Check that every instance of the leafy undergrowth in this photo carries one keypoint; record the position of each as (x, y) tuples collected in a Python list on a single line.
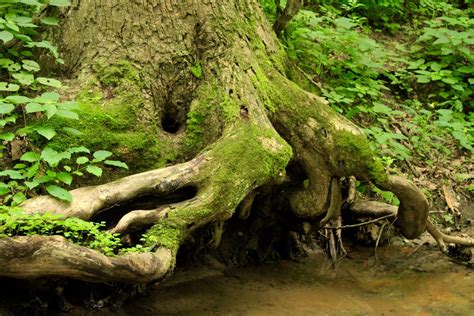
[(15, 222), (404, 71)]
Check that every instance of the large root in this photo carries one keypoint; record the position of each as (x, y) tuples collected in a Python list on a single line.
[(40, 256), (88, 201), (412, 214)]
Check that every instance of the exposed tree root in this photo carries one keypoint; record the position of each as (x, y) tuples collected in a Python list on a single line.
[(39, 256), (378, 209), (89, 201), (138, 218), (335, 203), (413, 210)]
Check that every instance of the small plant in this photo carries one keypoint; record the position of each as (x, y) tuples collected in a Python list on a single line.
[(196, 70), (14, 222)]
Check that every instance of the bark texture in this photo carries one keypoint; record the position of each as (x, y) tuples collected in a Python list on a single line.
[(210, 77)]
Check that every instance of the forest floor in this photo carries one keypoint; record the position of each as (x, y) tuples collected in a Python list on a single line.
[(404, 278)]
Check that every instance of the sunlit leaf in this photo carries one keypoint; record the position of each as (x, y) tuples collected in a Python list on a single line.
[(59, 193)]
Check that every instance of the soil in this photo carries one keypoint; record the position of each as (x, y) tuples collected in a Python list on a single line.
[(401, 280)]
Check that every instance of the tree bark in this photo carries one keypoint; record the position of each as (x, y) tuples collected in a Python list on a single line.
[(215, 60)]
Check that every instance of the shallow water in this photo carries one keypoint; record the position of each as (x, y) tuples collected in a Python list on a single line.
[(422, 284)]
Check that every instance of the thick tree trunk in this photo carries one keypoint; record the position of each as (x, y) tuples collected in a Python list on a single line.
[(209, 76)]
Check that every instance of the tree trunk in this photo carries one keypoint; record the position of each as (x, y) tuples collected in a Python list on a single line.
[(206, 80)]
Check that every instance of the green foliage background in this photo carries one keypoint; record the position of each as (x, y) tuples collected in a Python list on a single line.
[(385, 62)]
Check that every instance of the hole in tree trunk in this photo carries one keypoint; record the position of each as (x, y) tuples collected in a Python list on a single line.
[(170, 124)]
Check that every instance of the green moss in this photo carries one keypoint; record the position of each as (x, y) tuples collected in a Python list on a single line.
[(188, 216), (354, 156), (261, 82), (211, 110), (254, 155), (165, 234), (194, 129), (117, 74)]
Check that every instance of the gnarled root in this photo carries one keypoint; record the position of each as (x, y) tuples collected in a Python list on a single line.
[(412, 213)]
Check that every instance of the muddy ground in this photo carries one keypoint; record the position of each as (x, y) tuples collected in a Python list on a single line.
[(424, 283), (401, 280)]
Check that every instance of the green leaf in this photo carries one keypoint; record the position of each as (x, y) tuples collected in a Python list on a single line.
[(4, 189), (44, 44), (49, 82), (116, 163), (422, 79), (45, 179), (59, 193), (82, 160), (6, 108), (30, 157), (31, 65), (381, 108), (11, 87), (6, 36), (64, 177), (52, 157), (68, 105), (5, 62), (30, 2), (96, 171), (25, 78), (35, 107), (75, 150), (51, 110), (442, 39), (50, 21), (13, 174), (67, 114), (450, 80), (14, 67), (19, 198), (48, 97), (46, 132), (72, 131), (32, 184), (7, 136), (60, 3), (32, 171), (17, 99), (101, 155)]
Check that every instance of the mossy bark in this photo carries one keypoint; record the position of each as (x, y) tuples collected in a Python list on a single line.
[(205, 81)]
